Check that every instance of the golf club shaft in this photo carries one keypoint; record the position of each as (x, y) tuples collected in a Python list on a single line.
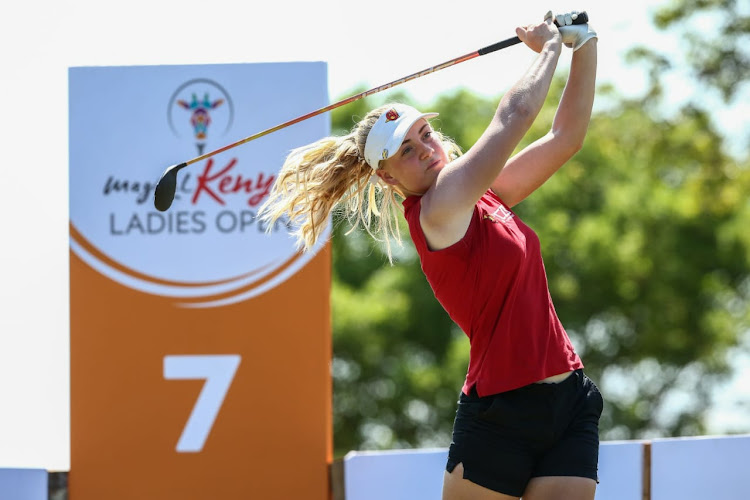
[(486, 50), (165, 188)]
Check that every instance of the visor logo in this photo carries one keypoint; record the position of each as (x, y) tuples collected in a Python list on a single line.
[(391, 115)]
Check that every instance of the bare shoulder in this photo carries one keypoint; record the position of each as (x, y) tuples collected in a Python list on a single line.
[(442, 230)]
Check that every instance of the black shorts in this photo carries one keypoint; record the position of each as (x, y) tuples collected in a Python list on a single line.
[(506, 439)]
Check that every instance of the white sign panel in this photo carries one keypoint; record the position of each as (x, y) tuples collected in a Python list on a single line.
[(128, 124)]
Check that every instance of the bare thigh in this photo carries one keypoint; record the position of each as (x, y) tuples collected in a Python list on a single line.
[(455, 487), (555, 487)]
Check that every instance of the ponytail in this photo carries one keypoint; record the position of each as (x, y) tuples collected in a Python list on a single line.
[(332, 174)]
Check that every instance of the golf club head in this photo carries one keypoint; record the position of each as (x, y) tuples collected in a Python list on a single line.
[(166, 188)]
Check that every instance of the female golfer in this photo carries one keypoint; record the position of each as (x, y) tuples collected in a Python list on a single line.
[(527, 419)]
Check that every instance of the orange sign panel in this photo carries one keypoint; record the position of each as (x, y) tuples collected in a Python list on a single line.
[(200, 344)]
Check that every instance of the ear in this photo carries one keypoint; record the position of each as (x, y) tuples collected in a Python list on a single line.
[(386, 177)]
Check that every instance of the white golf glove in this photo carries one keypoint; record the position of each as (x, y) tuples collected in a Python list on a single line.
[(574, 35)]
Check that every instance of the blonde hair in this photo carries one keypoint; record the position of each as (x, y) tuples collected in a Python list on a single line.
[(330, 173)]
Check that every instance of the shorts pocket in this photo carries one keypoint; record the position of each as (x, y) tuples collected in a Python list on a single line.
[(594, 398)]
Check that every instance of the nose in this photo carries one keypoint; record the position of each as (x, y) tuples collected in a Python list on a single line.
[(426, 151)]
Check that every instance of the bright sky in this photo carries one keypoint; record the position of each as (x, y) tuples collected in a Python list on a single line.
[(363, 42)]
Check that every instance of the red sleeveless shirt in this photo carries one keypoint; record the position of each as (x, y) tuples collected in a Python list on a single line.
[(493, 285)]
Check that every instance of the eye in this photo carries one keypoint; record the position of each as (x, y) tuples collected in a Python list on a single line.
[(406, 150)]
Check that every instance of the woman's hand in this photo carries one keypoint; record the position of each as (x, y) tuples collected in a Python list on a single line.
[(573, 35), (536, 36)]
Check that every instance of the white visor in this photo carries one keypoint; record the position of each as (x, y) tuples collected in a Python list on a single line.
[(389, 131)]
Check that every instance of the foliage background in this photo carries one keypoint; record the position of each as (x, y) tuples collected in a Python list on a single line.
[(646, 238)]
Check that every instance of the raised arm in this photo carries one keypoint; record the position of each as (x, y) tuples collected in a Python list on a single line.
[(448, 205), (536, 163)]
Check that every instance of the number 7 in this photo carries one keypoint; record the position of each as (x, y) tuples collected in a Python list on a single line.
[(218, 370)]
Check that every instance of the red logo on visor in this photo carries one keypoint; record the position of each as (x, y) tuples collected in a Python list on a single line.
[(391, 115)]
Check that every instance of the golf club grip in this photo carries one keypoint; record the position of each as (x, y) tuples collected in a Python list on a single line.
[(582, 18)]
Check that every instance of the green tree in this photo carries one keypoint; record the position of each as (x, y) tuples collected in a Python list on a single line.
[(717, 50)]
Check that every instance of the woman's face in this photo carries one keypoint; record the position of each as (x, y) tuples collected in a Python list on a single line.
[(414, 167)]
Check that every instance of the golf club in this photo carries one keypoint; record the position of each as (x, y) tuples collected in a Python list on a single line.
[(167, 185)]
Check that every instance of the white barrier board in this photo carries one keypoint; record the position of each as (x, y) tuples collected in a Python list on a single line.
[(620, 471), (700, 468), (418, 474), (395, 475), (23, 484)]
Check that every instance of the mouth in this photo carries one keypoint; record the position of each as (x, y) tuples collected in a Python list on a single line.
[(434, 164)]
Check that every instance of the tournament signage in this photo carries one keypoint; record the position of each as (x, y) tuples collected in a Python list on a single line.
[(200, 340)]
